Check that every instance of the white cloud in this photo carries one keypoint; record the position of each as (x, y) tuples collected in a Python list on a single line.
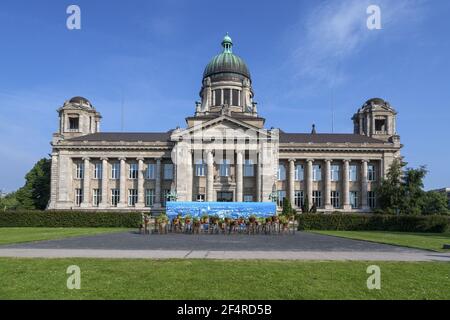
[(334, 31)]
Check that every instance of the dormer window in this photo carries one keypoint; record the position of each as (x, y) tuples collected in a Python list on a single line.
[(74, 123)]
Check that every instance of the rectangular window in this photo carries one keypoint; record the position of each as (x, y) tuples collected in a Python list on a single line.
[(248, 168), (227, 96), (115, 197), (98, 169), (133, 171), (149, 197), (317, 198), (168, 171), (299, 198), (371, 200), (335, 199), (371, 173), (299, 172), (248, 198), (317, 172), (74, 123), (115, 170), (224, 168), (218, 97), (150, 172), (132, 197), (334, 174), (78, 197), (281, 172), (353, 173), (354, 199), (236, 98), (281, 196), (96, 197), (200, 168), (79, 170), (201, 198)]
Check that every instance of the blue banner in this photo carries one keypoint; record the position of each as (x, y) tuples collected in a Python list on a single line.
[(222, 210)]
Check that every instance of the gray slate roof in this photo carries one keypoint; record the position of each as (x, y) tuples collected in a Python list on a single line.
[(284, 137), (126, 136), (325, 138)]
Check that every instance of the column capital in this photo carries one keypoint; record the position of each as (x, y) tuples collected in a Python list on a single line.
[(122, 158), (86, 159), (328, 160), (310, 160), (346, 160), (140, 158), (292, 159), (104, 159), (365, 160)]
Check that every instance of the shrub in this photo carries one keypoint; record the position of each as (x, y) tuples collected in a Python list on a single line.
[(366, 222), (70, 219)]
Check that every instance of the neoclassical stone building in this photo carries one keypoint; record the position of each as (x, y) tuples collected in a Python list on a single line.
[(223, 154)]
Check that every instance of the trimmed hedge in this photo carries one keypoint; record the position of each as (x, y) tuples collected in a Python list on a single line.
[(369, 222), (70, 219)]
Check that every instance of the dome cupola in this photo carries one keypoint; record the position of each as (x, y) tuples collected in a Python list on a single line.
[(226, 62), (226, 86)]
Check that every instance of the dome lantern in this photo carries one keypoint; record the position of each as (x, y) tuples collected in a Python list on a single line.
[(227, 44)]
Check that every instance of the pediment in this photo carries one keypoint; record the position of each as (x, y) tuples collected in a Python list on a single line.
[(222, 126)]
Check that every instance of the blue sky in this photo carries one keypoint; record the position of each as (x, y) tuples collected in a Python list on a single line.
[(306, 57)]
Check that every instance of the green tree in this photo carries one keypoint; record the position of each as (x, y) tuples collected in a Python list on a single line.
[(9, 202), (414, 196), (402, 192), (287, 208), (36, 191), (435, 203), (305, 206), (390, 192)]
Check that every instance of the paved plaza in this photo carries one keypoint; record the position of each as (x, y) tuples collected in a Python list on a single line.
[(298, 246)]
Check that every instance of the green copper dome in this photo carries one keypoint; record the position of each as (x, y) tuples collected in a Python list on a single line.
[(226, 62)]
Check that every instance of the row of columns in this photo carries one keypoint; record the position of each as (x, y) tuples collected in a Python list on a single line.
[(327, 183), (122, 183), (239, 176)]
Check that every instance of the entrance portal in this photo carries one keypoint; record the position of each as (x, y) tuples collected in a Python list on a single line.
[(224, 196)]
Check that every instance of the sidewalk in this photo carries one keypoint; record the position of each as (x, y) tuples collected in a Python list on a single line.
[(226, 255)]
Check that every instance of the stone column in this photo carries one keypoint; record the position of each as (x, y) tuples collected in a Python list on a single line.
[(123, 182), (86, 184), (327, 189), (210, 176), (258, 178), (292, 182), (157, 203), (54, 181), (309, 180), (140, 203), (364, 185), (190, 183), (105, 179), (239, 176), (346, 186)]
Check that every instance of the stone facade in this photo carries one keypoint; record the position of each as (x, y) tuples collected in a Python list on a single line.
[(223, 154)]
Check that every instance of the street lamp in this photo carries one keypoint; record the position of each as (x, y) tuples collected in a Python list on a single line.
[(172, 195), (274, 195)]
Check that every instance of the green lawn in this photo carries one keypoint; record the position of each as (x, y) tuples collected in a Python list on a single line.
[(429, 241), (18, 235), (213, 279)]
